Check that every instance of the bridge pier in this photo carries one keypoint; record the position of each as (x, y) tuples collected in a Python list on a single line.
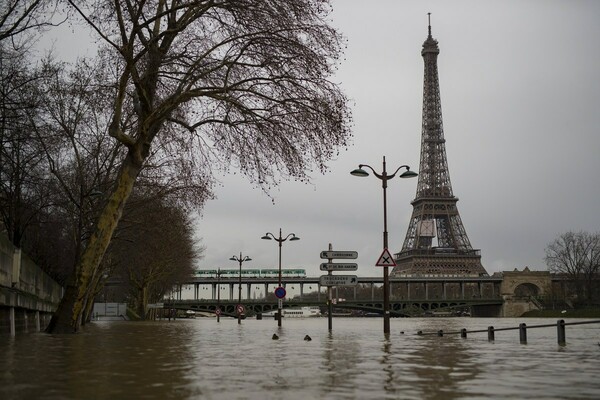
[(372, 291)]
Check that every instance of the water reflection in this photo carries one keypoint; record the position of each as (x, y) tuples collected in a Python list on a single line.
[(341, 355), (442, 366), (388, 367), (209, 360)]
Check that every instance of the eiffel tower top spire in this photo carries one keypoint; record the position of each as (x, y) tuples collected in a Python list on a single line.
[(436, 241), (434, 178), (430, 45)]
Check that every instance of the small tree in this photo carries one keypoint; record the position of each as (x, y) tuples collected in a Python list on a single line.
[(152, 251), (577, 254)]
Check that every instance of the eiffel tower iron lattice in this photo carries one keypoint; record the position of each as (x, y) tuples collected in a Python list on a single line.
[(435, 215)]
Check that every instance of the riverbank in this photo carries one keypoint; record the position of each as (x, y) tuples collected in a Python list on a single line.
[(577, 313)]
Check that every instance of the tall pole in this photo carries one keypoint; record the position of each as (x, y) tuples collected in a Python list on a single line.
[(239, 307), (386, 279), (280, 240), (384, 177), (219, 295), (279, 301), (329, 299), (240, 290)]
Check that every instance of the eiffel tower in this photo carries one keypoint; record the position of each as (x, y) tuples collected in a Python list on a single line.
[(435, 217)]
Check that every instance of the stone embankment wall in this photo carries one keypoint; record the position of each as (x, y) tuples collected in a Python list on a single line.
[(28, 295)]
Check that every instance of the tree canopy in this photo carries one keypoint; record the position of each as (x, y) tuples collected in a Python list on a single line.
[(577, 254), (203, 85)]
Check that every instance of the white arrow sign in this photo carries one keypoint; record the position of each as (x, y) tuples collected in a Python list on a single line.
[(339, 254), (338, 280), (339, 267)]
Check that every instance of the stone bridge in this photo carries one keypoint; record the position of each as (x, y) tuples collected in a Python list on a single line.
[(506, 294)]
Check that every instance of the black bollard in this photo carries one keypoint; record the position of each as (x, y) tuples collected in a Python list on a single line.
[(523, 333), (463, 333), (491, 336), (440, 333), (560, 328)]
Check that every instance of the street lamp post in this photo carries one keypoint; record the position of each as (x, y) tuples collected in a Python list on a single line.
[(240, 259), (384, 177), (280, 240), (218, 295)]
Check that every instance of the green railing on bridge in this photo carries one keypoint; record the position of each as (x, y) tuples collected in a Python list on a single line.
[(398, 308)]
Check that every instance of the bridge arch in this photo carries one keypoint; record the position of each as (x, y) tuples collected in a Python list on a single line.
[(525, 283), (527, 289)]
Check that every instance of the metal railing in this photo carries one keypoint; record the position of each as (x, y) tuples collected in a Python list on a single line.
[(560, 331)]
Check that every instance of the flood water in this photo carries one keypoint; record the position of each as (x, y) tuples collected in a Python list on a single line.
[(203, 359)]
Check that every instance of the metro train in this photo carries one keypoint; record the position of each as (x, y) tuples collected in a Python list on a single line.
[(252, 273)]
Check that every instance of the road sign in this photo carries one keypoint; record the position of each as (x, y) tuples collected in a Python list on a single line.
[(240, 308), (338, 280), (339, 267), (339, 254), (218, 311), (385, 259), (280, 292)]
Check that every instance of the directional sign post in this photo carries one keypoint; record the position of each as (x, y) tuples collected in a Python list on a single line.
[(338, 280), (339, 267), (339, 254), (330, 280)]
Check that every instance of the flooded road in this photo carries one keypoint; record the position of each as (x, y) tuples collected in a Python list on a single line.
[(203, 359)]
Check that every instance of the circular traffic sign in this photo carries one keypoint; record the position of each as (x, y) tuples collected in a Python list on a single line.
[(240, 308), (280, 292), (218, 311)]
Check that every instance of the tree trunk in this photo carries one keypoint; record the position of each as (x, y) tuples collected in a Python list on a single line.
[(142, 301), (67, 318)]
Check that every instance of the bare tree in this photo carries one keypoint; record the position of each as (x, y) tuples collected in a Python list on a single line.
[(153, 250), (22, 19), (213, 83), (577, 254), (23, 193)]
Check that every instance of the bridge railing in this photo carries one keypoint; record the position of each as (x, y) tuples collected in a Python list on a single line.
[(522, 328)]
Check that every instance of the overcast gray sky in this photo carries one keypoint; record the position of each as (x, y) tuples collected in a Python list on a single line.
[(521, 107)]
